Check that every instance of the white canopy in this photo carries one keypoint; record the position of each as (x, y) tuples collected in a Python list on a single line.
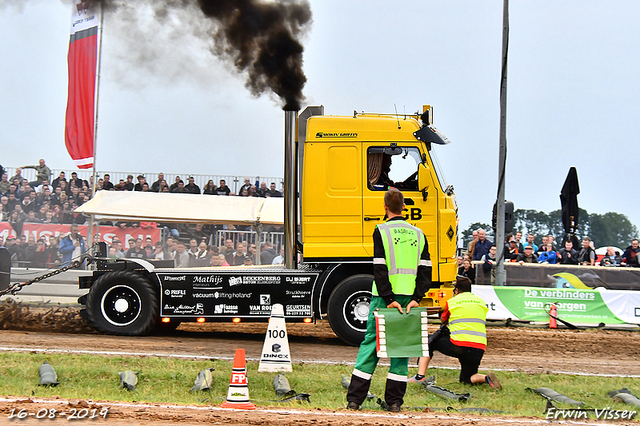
[(183, 208)]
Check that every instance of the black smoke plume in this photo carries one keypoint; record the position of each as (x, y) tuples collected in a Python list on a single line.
[(260, 37)]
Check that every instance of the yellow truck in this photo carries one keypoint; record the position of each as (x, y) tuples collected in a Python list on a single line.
[(340, 168)]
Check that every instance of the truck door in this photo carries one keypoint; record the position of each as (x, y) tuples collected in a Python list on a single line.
[(398, 165)]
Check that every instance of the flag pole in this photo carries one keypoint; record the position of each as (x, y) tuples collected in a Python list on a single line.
[(95, 118)]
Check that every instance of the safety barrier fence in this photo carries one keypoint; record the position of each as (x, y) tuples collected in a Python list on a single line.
[(252, 237), (234, 182)]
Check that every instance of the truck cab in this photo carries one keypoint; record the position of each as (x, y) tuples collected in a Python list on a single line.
[(348, 163)]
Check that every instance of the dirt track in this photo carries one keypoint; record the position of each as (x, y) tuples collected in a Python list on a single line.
[(530, 350), (132, 414)]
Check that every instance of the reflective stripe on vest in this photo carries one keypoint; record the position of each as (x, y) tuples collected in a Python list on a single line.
[(469, 332), (402, 255), (476, 320), (468, 318)]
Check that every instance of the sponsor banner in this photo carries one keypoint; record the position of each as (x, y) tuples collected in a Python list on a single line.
[(107, 233), (584, 306), (566, 276), (231, 293)]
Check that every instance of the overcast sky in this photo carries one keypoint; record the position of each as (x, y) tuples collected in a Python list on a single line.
[(573, 93)]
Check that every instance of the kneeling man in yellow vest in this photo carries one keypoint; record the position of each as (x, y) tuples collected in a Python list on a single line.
[(464, 337)]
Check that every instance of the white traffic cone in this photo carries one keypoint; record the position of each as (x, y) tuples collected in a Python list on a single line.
[(275, 352)]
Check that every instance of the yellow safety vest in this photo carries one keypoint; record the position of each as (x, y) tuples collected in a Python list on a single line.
[(468, 318), (403, 245)]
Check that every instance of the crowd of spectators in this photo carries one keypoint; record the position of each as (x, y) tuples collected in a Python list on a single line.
[(482, 251), (197, 253), (248, 189), (55, 251), (52, 201), (42, 200)]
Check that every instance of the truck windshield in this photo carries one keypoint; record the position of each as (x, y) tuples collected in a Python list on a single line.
[(438, 169)]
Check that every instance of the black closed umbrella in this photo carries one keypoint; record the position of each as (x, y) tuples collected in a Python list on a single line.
[(570, 211)]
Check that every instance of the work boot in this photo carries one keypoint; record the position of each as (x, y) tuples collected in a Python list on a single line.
[(352, 406), (493, 381), (395, 408)]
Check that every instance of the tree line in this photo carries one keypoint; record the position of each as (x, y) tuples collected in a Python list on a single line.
[(609, 229)]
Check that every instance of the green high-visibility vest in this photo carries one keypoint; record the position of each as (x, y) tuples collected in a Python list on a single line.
[(468, 318), (403, 245)]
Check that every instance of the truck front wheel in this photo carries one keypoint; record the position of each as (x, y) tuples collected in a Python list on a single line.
[(122, 303), (348, 308)]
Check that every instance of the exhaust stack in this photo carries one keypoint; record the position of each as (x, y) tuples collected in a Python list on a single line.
[(290, 200)]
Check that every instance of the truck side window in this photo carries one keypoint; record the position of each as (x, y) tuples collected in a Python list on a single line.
[(399, 171)]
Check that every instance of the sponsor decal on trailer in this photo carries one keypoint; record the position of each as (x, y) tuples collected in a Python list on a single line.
[(230, 294)]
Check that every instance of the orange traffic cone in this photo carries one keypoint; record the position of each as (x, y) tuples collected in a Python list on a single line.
[(553, 314), (238, 395)]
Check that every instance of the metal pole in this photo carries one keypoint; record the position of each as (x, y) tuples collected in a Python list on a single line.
[(289, 190), (501, 276), (95, 119)]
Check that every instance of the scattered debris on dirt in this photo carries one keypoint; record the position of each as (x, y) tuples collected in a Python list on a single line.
[(18, 316)]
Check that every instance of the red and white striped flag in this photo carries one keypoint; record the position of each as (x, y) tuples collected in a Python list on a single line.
[(82, 59)]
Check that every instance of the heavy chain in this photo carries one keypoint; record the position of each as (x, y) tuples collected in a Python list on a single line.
[(16, 287)]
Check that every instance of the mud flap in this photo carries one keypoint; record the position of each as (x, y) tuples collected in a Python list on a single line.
[(625, 396), (282, 388), (298, 397), (446, 393), (552, 396), (477, 410)]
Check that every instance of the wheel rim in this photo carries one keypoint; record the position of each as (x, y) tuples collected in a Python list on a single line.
[(121, 305), (356, 310)]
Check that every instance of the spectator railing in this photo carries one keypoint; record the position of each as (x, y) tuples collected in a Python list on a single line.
[(233, 182), (276, 238)]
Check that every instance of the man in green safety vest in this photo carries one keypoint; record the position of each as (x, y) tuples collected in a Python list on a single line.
[(465, 336), (402, 275)]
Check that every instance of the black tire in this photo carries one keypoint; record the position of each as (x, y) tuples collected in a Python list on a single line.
[(348, 308), (122, 303)]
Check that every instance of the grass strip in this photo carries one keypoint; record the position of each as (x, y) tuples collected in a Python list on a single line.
[(168, 380)]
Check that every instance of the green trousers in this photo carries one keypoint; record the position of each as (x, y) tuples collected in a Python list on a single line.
[(367, 362)]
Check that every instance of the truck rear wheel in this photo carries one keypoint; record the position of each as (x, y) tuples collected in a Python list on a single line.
[(122, 303), (348, 308)]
